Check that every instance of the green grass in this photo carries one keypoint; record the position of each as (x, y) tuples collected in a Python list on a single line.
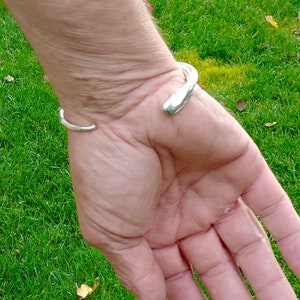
[(239, 56)]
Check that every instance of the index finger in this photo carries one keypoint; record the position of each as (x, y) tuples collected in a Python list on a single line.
[(268, 200)]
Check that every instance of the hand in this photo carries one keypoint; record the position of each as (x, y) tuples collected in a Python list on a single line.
[(161, 196), (158, 194)]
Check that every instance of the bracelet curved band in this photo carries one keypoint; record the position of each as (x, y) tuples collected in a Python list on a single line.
[(181, 97), (171, 106), (73, 127)]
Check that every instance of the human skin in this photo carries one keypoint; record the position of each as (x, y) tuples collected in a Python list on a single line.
[(158, 194)]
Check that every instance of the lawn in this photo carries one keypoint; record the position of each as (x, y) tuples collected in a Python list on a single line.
[(240, 57)]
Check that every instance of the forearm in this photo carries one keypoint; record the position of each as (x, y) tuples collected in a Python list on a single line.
[(95, 53)]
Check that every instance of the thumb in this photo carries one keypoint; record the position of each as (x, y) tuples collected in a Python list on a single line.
[(138, 270)]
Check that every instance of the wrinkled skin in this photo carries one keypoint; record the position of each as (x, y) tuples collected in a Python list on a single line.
[(159, 193), (161, 196)]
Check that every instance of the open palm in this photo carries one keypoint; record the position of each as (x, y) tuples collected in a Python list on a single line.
[(161, 196), (164, 196)]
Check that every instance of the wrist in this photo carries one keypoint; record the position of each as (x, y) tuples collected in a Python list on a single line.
[(121, 100), (98, 56)]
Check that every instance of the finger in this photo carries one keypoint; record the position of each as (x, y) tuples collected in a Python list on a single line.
[(137, 269), (180, 281), (215, 266), (267, 199), (253, 254)]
